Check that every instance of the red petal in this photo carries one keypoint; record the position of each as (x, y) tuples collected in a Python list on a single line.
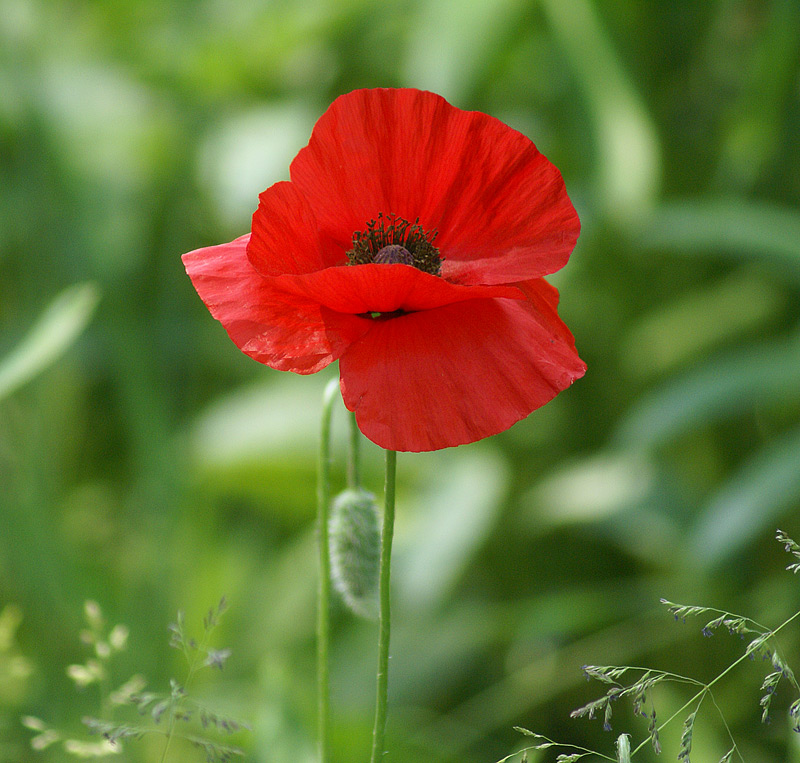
[(499, 205), (459, 373), (284, 235), (360, 289), (273, 326)]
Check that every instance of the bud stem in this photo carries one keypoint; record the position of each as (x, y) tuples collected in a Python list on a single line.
[(324, 590), (387, 534), (354, 459)]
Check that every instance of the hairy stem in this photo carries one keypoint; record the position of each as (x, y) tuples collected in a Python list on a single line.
[(354, 455), (324, 589), (379, 729)]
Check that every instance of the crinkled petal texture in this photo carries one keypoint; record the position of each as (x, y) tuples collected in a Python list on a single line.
[(459, 373), (275, 327), (426, 362), (500, 206)]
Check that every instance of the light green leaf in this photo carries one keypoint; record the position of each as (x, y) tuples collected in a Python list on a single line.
[(453, 40), (278, 417), (629, 153), (56, 329), (237, 163), (449, 521), (260, 442), (751, 130), (690, 326), (591, 490), (750, 503), (731, 227), (720, 388)]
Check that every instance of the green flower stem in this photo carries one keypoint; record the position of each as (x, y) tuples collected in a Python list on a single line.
[(378, 731), (324, 590), (354, 459)]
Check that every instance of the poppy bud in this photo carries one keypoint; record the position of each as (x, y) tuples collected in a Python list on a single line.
[(623, 749), (354, 533)]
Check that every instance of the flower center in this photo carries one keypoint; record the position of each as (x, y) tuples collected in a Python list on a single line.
[(391, 240), (394, 254)]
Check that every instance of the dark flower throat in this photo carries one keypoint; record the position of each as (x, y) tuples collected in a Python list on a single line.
[(392, 240)]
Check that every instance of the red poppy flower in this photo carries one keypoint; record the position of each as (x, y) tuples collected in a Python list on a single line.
[(410, 245)]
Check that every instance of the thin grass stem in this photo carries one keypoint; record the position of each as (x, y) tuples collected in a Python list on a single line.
[(706, 688)]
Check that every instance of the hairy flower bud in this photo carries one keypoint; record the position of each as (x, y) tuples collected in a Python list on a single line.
[(354, 530), (623, 748)]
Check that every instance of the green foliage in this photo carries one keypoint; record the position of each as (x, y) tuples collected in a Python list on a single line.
[(175, 708), (764, 645), (145, 463), (57, 328)]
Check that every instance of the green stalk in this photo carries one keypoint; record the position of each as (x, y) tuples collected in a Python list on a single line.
[(324, 589), (379, 729), (354, 455)]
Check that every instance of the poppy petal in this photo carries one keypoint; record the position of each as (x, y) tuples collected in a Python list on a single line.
[(275, 327), (284, 234), (499, 205), (375, 288), (458, 373)]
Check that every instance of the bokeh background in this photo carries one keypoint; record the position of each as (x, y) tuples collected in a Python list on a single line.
[(146, 464)]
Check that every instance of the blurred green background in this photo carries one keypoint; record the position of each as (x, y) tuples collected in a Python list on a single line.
[(145, 463)]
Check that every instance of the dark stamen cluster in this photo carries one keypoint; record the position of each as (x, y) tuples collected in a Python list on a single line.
[(395, 231)]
